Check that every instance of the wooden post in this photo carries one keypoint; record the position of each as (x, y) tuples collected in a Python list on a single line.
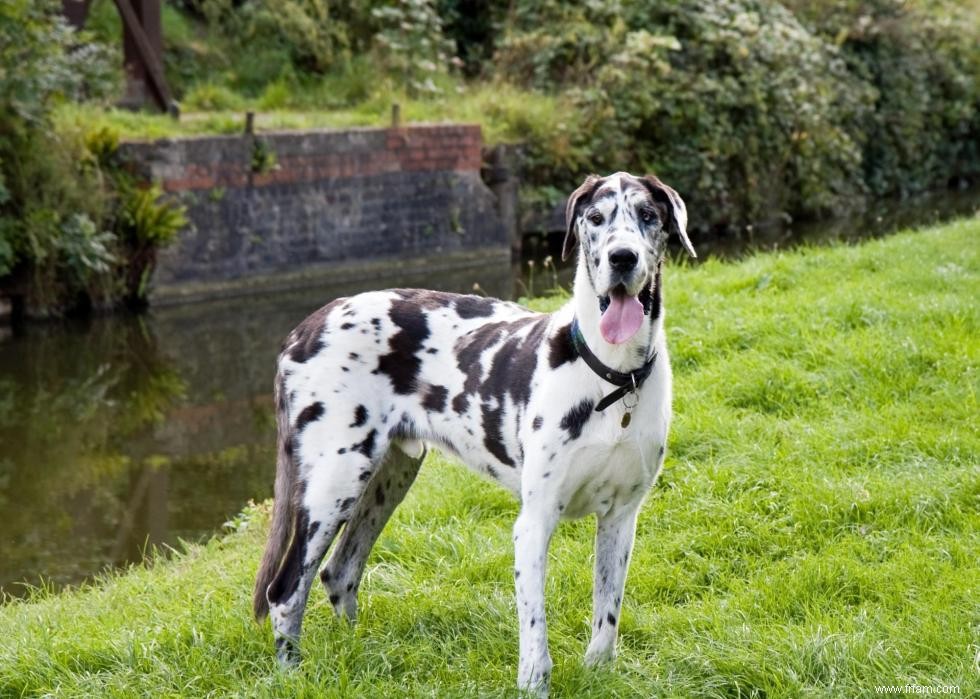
[(142, 51), (502, 174), (76, 11)]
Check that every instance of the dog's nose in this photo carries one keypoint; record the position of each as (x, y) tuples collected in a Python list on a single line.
[(623, 259)]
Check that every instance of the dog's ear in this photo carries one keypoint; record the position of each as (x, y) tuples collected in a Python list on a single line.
[(675, 205), (578, 198)]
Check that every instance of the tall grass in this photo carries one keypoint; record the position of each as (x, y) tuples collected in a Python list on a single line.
[(815, 533)]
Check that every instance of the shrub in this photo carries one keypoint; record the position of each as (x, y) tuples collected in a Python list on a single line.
[(734, 101), (752, 111), (922, 65), (411, 45), (63, 242), (52, 245)]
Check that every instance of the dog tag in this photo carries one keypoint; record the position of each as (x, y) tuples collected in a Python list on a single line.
[(629, 402)]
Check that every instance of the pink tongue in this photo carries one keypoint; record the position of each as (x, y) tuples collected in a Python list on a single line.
[(622, 319)]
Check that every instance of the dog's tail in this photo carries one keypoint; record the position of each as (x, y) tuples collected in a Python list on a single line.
[(283, 509)]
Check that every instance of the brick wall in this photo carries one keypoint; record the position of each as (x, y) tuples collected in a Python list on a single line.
[(363, 204)]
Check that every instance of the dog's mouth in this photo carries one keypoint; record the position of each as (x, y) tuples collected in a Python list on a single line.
[(622, 315)]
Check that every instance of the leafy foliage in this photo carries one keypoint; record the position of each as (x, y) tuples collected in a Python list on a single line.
[(749, 110), (50, 201), (411, 44), (755, 109), (71, 228)]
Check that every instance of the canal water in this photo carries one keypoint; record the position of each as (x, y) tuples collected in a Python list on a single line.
[(125, 433)]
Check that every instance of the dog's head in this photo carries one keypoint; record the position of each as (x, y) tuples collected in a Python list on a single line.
[(622, 224)]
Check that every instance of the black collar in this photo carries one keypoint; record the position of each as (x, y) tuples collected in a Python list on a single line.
[(627, 382)]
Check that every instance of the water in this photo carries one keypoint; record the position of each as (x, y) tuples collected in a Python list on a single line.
[(122, 433)]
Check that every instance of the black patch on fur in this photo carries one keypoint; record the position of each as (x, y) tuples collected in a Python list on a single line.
[(310, 413), (511, 371), (346, 326), (470, 347), (435, 399), (402, 364), (575, 419), (651, 299), (379, 496), (536, 424), (561, 348), (460, 403), (432, 350), (493, 439), (610, 618), (360, 416), (306, 340), (366, 447), (474, 307), (287, 579), (429, 300)]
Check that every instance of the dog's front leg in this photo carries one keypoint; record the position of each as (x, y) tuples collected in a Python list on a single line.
[(532, 534), (614, 543)]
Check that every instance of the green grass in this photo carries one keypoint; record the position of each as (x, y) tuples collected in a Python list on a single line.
[(816, 531), (506, 114)]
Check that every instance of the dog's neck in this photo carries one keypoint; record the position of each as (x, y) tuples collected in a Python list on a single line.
[(630, 354)]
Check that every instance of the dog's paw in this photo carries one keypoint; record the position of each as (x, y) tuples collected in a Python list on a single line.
[(287, 652), (534, 679), (600, 653), (342, 594)]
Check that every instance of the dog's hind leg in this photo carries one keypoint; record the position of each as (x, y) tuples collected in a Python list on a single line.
[(326, 499), (385, 490)]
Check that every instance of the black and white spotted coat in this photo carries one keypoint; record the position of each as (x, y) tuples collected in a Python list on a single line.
[(365, 382)]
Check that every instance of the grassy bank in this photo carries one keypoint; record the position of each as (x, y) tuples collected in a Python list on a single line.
[(815, 532)]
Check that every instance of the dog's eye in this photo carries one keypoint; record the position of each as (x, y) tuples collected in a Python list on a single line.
[(596, 218), (647, 216)]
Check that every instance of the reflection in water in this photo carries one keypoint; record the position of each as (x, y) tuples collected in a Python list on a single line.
[(123, 432)]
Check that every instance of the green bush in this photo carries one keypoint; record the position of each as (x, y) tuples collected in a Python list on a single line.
[(52, 244), (922, 64), (752, 111), (71, 229)]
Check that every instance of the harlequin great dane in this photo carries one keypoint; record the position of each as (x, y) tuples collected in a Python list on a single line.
[(569, 411)]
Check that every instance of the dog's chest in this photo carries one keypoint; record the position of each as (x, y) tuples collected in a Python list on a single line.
[(612, 467)]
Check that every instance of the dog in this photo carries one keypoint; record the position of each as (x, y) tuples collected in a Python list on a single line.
[(569, 411)]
